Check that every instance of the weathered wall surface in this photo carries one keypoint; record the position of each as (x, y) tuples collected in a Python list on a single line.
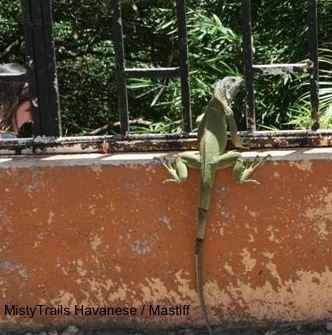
[(100, 231)]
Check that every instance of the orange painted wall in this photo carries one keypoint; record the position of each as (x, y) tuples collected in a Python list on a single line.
[(102, 231)]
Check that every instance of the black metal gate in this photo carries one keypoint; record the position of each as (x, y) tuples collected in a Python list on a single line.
[(181, 71), (37, 24), (272, 69), (42, 78)]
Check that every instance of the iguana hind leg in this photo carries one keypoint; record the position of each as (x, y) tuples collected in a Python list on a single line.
[(242, 170)]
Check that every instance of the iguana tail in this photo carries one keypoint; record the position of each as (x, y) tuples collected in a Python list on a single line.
[(199, 281)]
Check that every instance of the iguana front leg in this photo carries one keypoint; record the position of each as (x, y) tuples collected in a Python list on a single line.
[(179, 169)]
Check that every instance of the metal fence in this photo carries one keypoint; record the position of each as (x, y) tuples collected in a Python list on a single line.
[(124, 73), (41, 68), (42, 78), (250, 69)]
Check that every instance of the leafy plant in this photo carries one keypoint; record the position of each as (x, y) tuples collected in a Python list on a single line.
[(86, 62), (301, 110)]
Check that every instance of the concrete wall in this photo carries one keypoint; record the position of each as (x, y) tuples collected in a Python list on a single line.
[(86, 231)]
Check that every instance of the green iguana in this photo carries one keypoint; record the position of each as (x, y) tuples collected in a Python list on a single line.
[(212, 155)]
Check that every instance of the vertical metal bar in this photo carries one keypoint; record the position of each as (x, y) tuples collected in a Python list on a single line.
[(248, 65), (184, 65), (120, 66), (29, 49), (37, 21), (313, 56), (51, 125)]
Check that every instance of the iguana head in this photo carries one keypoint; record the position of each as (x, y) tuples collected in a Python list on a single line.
[(227, 87)]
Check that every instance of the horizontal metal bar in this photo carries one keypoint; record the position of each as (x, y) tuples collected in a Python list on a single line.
[(14, 77), (273, 69), (152, 72), (141, 143)]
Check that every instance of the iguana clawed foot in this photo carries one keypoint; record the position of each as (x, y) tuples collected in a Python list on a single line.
[(259, 161), (243, 170), (172, 171)]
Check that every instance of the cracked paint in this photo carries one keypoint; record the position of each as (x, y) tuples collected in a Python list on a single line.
[(95, 241), (272, 234), (229, 269), (140, 247), (155, 290), (50, 217), (305, 166), (7, 267), (108, 233), (320, 215), (166, 221), (247, 261), (298, 299)]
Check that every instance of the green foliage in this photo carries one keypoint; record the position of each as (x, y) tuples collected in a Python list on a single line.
[(163, 97), (11, 38), (166, 126), (301, 111), (86, 64), (85, 57)]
